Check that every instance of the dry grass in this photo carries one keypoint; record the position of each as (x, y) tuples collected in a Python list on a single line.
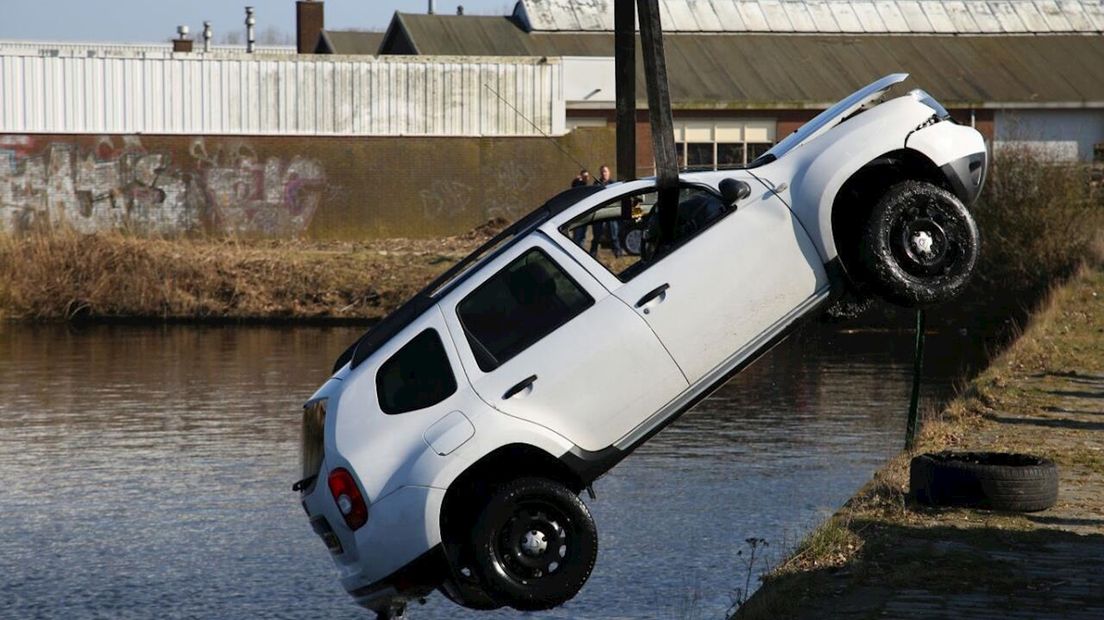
[(65, 275)]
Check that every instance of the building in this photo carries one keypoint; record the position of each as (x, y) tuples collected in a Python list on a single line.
[(743, 73), (447, 121)]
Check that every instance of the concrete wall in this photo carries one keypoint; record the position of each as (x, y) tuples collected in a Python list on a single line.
[(278, 186), (1063, 135)]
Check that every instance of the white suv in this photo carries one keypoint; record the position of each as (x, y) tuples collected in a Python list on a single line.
[(449, 448)]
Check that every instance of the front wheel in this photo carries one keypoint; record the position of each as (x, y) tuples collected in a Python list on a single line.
[(920, 245), (535, 544)]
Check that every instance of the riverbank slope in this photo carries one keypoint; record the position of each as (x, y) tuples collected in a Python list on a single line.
[(113, 276), (881, 556)]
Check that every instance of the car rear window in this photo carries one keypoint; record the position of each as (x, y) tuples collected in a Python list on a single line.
[(416, 376), (519, 305)]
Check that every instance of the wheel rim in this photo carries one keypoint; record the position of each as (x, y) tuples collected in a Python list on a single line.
[(923, 240), (534, 543)]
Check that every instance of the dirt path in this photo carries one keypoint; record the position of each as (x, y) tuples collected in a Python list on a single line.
[(882, 557)]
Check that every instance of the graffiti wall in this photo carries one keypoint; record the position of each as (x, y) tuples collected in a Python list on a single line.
[(275, 186), (119, 182)]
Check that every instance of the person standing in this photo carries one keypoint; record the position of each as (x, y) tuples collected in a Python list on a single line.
[(581, 179), (611, 227)]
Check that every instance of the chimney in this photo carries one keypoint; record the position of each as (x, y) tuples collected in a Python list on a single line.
[(250, 21), (207, 34), (432, 7), (309, 22), (182, 43)]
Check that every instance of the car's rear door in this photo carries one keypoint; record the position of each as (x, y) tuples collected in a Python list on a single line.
[(542, 340)]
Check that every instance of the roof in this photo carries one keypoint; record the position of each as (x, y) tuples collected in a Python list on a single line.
[(830, 16), (349, 42), (784, 71)]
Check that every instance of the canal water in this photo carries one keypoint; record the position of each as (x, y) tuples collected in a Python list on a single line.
[(145, 472)]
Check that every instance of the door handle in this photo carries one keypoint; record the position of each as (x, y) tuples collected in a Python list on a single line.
[(526, 382), (652, 294)]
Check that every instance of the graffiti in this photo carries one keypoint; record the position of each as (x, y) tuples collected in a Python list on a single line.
[(127, 187), (512, 194), (247, 194), (445, 199)]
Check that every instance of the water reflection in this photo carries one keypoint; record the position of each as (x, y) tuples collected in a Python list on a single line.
[(146, 472)]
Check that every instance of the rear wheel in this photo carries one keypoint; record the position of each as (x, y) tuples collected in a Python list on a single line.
[(920, 245), (535, 544)]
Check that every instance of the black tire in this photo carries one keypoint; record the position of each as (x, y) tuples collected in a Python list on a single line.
[(543, 574), (920, 245), (989, 480)]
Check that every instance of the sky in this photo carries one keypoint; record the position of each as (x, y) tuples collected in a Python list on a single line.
[(137, 21)]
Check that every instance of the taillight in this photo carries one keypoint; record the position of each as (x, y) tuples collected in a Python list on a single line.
[(347, 496)]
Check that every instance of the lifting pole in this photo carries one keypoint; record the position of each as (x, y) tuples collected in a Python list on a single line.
[(659, 112), (624, 46)]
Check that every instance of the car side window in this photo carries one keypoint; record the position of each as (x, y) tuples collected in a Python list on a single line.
[(417, 376), (519, 305), (623, 234)]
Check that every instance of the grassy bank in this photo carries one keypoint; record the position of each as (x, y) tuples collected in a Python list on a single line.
[(65, 276), (1039, 396)]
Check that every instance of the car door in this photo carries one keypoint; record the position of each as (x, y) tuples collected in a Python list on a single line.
[(726, 286), (542, 340)]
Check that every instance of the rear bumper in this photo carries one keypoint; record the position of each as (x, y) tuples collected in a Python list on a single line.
[(414, 580), (392, 556)]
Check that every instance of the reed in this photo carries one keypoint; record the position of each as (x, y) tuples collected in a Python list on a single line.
[(64, 275)]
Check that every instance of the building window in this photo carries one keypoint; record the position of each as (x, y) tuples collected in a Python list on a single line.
[(720, 144)]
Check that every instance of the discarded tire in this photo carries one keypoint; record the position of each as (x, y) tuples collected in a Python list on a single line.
[(920, 245), (990, 480)]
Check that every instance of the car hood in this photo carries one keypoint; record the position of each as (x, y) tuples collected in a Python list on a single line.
[(834, 115)]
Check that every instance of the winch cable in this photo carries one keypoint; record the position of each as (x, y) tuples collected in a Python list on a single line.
[(913, 426)]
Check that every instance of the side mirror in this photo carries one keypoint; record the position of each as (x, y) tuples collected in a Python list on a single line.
[(734, 190)]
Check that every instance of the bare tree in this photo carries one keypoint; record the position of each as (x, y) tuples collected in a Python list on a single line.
[(232, 37), (271, 35)]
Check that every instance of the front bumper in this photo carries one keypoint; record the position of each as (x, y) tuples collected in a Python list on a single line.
[(967, 176)]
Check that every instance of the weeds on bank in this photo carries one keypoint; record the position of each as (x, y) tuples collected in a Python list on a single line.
[(1037, 219), (65, 275)]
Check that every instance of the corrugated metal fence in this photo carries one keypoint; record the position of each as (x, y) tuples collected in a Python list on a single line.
[(253, 95)]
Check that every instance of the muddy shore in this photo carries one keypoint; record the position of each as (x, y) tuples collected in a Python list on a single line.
[(881, 555)]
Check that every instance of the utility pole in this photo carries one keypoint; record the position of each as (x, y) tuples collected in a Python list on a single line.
[(659, 111), (624, 72)]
